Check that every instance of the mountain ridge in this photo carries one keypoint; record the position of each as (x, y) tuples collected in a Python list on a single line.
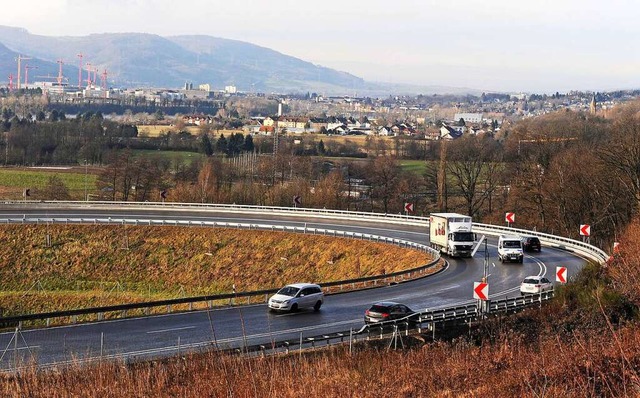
[(150, 60)]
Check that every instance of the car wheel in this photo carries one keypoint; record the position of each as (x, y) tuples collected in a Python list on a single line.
[(317, 306), (294, 307), (521, 260)]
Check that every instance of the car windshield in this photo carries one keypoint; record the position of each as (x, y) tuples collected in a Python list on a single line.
[(531, 280), (463, 236), (511, 244), (288, 291)]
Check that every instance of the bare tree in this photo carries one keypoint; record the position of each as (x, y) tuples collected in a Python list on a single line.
[(473, 167)]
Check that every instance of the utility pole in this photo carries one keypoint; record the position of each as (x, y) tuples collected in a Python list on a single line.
[(86, 198)]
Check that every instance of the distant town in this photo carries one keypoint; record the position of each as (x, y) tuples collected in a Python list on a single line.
[(423, 116)]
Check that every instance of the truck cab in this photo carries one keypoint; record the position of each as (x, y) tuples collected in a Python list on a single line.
[(510, 248)]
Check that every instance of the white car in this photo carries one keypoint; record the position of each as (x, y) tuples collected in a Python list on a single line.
[(296, 296), (535, 285)]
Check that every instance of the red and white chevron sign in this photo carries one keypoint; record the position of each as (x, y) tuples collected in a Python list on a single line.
[(510, 217), (480, 290), (408, 207), (561, 274), (585, 230)]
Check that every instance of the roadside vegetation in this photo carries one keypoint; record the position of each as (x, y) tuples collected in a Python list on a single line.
[(88, 266)]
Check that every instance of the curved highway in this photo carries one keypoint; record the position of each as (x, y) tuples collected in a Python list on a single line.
[(248, 325)]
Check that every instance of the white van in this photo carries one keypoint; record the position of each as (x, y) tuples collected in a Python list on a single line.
[(510, 248)]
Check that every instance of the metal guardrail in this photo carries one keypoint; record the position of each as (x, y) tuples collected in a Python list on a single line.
[(228, 208), (417, 323), (586, 250), (208, 300)]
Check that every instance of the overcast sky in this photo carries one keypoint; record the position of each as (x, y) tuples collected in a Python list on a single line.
[(501, 45)]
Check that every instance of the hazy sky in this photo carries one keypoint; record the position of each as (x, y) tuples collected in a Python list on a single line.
[(506, 45)]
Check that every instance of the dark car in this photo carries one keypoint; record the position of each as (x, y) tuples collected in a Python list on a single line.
[(388, 311), (531, 243)]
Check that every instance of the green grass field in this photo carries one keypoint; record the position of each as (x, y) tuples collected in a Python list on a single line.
[(414, 166), (173, 156), (39, 178)]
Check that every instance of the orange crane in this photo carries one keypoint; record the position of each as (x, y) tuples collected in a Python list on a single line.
[(26, 73), (103, 80), (80, 71), (60, 63), (88, 64), (20, 59)]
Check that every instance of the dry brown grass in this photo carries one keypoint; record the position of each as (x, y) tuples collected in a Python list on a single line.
[(88, 266), (581, 365)]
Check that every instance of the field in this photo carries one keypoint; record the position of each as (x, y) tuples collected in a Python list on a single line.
[(14, 181), (414, 166), (88, 265), (174, 156), (158, 130)]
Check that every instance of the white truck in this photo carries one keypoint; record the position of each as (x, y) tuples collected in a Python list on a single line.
[(451, 234)]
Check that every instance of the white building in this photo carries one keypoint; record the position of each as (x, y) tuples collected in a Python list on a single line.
[(230, 89), (468, 117)]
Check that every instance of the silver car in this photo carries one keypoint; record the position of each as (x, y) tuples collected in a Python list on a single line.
[(296, 296)]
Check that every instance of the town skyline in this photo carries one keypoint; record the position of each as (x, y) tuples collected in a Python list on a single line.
[(490, 46)]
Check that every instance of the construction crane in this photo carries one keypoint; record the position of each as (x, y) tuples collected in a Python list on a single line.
[(26, 73), (103, 79), (88, 65), (60, 63), (80, 71), (20, 59)]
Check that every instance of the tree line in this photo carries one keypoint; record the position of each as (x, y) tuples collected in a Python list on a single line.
[(555, 171)]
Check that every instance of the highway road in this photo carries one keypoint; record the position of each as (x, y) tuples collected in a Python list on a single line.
[(235, 326)]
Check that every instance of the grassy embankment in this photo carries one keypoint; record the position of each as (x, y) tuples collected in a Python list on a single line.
[(90, 266), (586, 343)]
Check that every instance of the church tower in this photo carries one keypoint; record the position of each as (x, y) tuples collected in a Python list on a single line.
[(594, 106)]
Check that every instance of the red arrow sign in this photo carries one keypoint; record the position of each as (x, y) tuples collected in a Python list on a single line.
[(585, 230), (480, 290), (510, 217), (561, 274), (408, 207)]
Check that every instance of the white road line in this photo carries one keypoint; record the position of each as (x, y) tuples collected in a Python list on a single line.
[(171, 330), (23, 348)]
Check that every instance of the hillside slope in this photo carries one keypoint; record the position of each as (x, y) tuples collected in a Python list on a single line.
[(139, 59)]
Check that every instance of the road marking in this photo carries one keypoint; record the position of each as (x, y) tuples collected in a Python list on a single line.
[(171, 330), (23, 348)]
